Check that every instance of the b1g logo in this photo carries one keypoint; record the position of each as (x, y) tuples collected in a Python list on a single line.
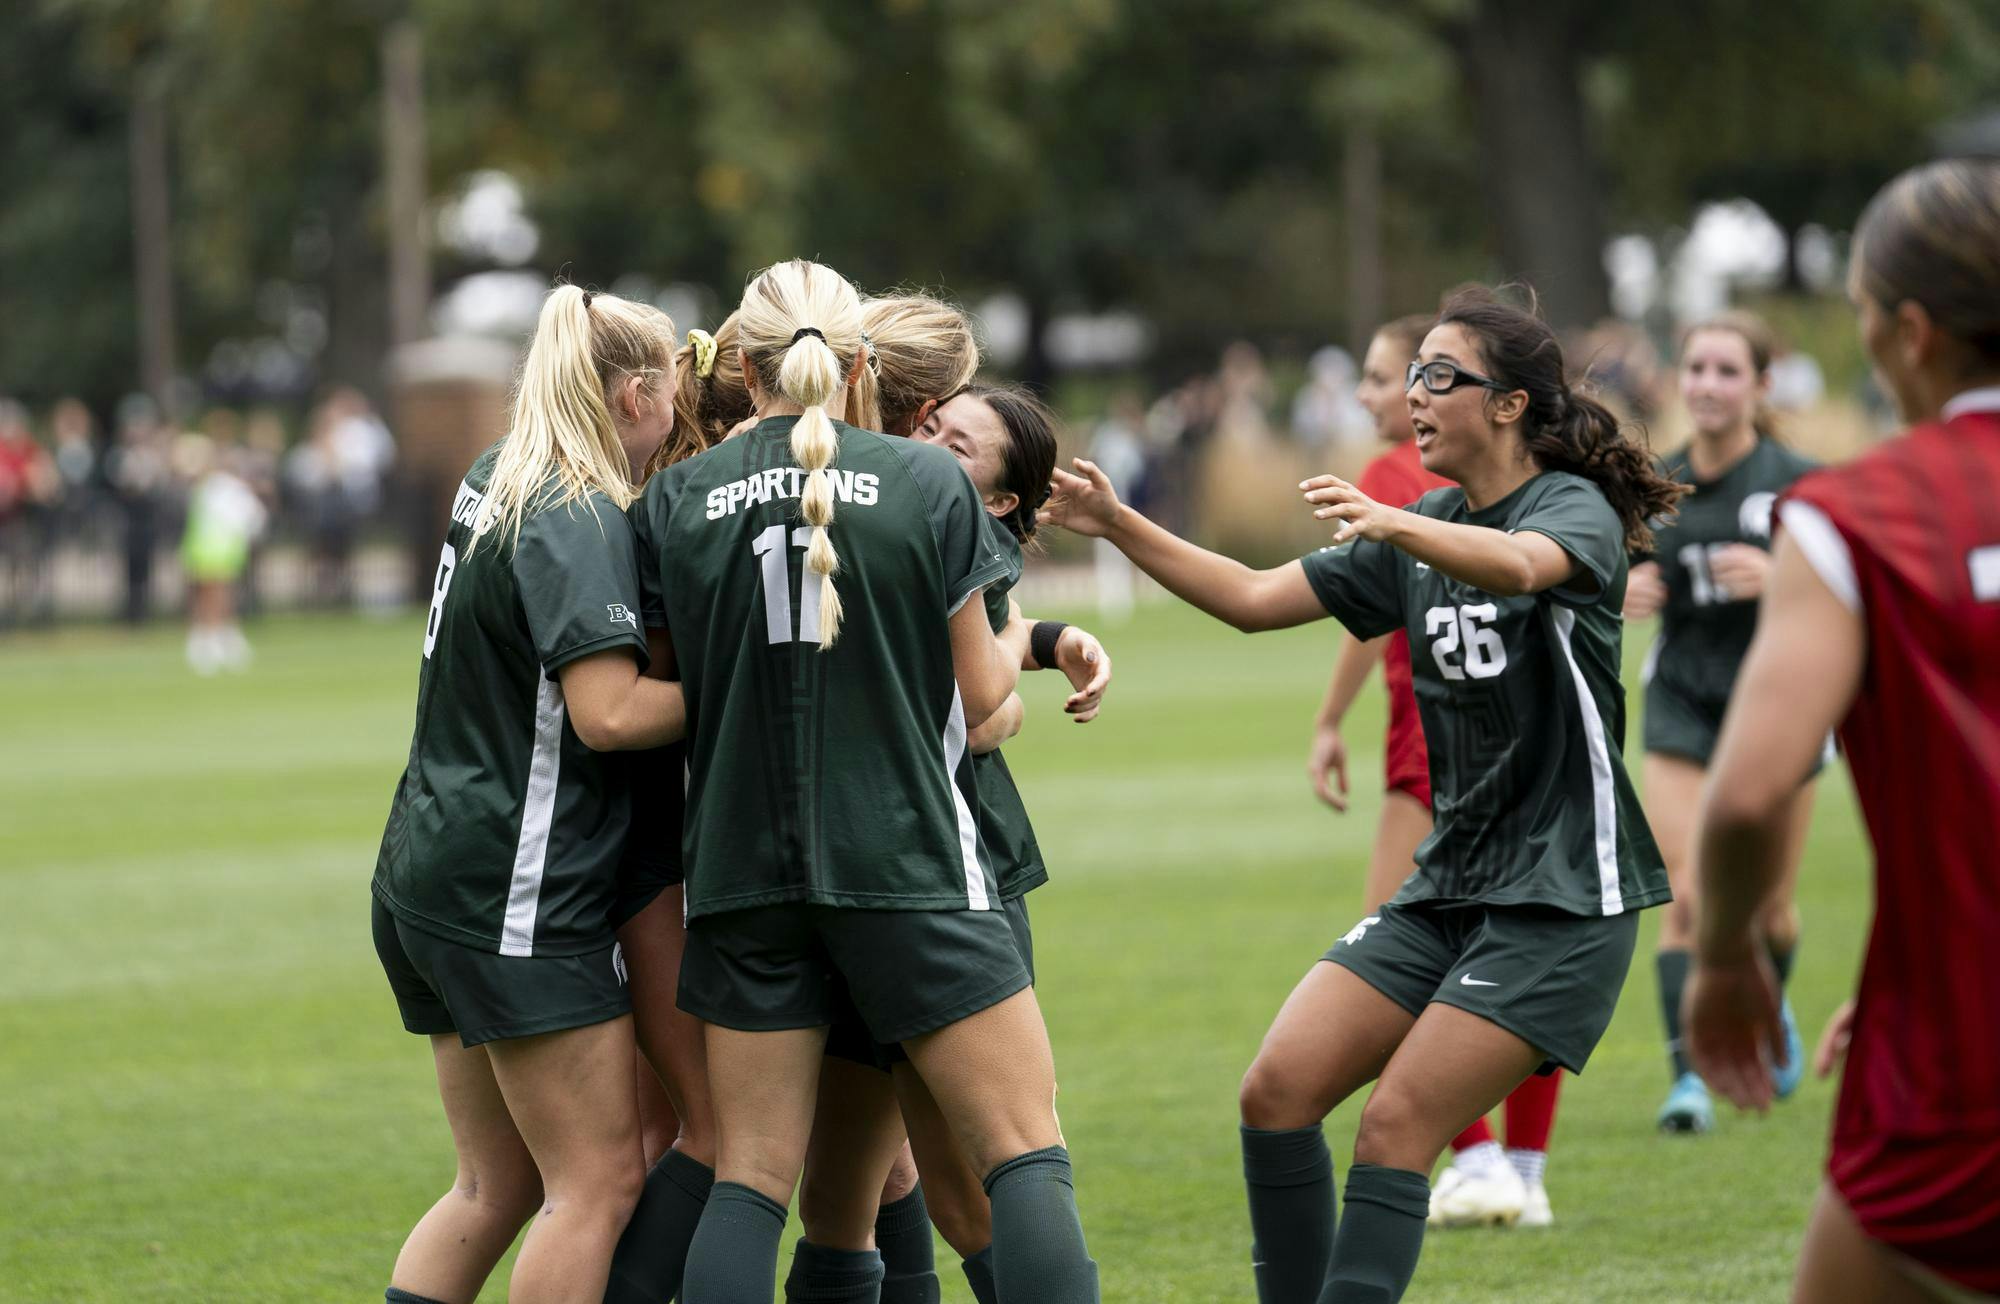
[(622, 614)]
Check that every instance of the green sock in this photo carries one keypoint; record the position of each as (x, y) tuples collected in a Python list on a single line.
[(394, 1296), (979, 1276), (821, 1275), (734, 1256), (909, 1260), (1289, 1177), (1038, 1249), (1782, 962), (1672, 967), (1375, 1252), (651, 1254)]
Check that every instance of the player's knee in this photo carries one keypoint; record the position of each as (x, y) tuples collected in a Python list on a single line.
[(502, 1192), (902, 1177), (961, 1216), (1274, 1097), (833, 1214), (1393, 1129), (1781, 927)]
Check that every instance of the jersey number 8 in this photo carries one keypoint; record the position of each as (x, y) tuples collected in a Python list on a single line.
[(447, 567), (1451, 627)]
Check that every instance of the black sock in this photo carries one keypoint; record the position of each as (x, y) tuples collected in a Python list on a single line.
[(734, 1256), (1381, 1235), (1038, 1249), (1672, 966), (821, 1275), (979, 1276), (1782, 961), (394, 1296), (1289, 1176), (647, 1264), (909, 1261)]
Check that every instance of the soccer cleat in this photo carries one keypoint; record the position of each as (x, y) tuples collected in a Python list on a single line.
[(1447, 1181), (1535, 1210), (1688, 1108), (1493, 1199), (1786, 1080)]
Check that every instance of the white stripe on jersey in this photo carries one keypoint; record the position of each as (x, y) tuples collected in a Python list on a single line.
[(1603, 790), (1824, 550), (968, 828), (538, 808)]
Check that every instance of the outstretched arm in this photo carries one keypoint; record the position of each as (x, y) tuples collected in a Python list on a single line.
[(1495, 561), (1802, 672), (1251, 600)]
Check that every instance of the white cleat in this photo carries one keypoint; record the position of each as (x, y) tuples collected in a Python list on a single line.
[(1447, 1182), (1535, 1210), (1495, 1199)]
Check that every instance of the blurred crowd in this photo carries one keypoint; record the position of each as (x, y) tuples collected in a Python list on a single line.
[(150, 495)]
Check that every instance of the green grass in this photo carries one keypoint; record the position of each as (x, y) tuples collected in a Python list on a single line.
[(205, 1094)]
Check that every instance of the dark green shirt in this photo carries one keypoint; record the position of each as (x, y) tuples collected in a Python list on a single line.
[(1522, 708), (1004, 827), (506, 831), (1704, 629), (840, 776)]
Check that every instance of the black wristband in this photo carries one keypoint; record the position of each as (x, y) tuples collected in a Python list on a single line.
[(1042, 642)]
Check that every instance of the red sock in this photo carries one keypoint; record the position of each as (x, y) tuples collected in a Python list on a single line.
[(1531, 1112), (1478, 1133)]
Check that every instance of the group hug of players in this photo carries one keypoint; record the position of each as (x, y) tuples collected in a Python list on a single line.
[(706, 780)]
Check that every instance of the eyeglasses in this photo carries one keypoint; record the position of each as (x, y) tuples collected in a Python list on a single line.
[(1444, 377)]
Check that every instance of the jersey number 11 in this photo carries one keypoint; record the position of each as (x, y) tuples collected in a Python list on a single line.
[(769, 546)]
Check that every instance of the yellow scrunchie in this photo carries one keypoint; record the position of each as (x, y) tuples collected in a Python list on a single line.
[(703, 345)]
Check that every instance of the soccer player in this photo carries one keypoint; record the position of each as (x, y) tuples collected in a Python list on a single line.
[(1506, 950), (1881, 617), (1708, 571), (497, 869), (829, 807), (1484, 1185)]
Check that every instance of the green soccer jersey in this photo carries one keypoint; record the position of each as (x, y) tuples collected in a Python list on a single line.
[(1704, 629), (1522, 708), (839, 776), (506, 830), (1003, 817)]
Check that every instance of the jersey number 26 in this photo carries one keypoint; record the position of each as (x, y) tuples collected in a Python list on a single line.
[(1468, 627)]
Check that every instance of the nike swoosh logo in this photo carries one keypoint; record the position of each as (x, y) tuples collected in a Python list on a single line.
[(1469, 981)]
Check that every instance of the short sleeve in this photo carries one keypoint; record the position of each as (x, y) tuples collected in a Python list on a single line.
[(971, 557), (1575, 514), (577, 570), (1361, 585), (999, 605)]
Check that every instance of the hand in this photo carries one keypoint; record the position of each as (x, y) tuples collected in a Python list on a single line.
[(1083, 659), (1328, 755), (1834, 1041), (1645, 591), (1361, 517), (1084, 503), (1739, 570), (1734, 1035)]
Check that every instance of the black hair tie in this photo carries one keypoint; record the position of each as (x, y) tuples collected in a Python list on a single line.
[(804, 331), (588, 295)]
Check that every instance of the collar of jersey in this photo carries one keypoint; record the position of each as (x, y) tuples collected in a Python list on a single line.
[(1986, 399)]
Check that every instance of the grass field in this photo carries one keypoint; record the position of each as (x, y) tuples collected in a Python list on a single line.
[(205, 1094)]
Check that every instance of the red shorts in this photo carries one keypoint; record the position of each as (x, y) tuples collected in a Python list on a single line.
[(1936, 1202), (1406, 761)]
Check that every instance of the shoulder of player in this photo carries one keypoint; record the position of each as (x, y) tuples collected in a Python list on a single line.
[(1562, 487), (1440, 502), (1784, 463)]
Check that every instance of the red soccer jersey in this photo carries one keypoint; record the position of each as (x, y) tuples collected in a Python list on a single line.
[(1920, 521), (1398, 478)]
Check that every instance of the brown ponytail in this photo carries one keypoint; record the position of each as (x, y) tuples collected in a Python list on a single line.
[(1564, 429)]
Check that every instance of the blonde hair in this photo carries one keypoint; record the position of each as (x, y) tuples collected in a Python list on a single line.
[(924, 350), (707, 404), (585, 345), (800, 325)]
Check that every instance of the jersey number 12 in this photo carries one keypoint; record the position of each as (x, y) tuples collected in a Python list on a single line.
[(1469, 627), (770, 549)]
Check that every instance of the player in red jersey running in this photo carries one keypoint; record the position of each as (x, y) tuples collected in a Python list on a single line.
[(1484, 1185), (1883, 618)]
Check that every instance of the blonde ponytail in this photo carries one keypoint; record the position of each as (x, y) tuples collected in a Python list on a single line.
[(562, 444), (797, 322)]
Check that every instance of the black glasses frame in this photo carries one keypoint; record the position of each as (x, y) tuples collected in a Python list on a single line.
[(1456, 377)]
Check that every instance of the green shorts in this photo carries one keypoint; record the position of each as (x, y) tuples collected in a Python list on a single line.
[(848, 1038), (1679, 723), (1549, 977), (908, 971), (443, 987), (652, 860)]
